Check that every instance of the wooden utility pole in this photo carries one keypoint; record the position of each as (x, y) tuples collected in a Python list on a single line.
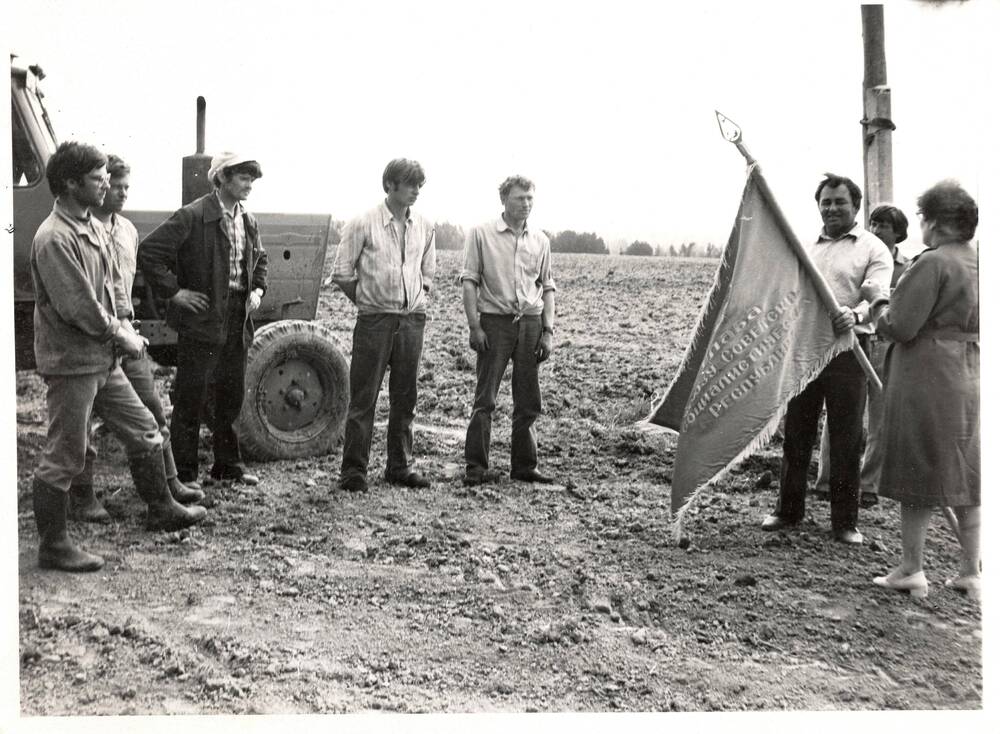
[(877, 125)]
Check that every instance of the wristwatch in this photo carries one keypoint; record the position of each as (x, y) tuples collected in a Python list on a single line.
[(547, 330)]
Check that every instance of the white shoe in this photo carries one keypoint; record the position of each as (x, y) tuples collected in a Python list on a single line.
[(971, 585), (915, 583)]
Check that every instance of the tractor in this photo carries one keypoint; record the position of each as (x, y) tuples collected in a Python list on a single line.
[(297, 376)]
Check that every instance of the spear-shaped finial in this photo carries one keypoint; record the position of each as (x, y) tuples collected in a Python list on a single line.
[(729, 129), (732, 132)]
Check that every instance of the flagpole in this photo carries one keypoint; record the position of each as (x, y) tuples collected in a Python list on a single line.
[(731, 132)]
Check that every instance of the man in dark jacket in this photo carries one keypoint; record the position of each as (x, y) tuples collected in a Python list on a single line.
[(81, 327), (208, 262)]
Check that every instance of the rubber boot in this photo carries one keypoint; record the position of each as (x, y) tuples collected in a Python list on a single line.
[(163, 511), (183, 493), (84, 505), (55, 550)]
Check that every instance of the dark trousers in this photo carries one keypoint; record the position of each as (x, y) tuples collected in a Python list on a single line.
[(383, 340), (510, 341), (225, 363), (842, 387)]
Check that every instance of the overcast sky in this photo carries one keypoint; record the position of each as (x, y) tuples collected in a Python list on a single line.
[(608, 106)]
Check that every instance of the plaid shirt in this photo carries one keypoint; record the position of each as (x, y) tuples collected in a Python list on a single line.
[(236, 231)]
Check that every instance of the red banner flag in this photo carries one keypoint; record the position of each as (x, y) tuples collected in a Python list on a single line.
[(763, 335)]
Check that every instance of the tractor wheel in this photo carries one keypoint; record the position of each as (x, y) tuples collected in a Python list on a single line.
[(297, 383)]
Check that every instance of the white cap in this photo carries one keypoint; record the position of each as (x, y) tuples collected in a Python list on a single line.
[(225, 159)]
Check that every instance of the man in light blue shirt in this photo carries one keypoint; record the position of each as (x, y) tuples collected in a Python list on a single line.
[(509, 298)]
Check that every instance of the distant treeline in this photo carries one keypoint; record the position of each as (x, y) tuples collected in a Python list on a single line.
[(450, 236), (690, 249)]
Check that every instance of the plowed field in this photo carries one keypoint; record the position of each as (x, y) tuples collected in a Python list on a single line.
[(294, 597)]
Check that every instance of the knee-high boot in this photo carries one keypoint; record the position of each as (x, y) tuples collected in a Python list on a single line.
[(163, 511), (55, 550)]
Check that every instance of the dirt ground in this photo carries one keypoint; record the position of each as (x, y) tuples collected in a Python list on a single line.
[(294, 597)]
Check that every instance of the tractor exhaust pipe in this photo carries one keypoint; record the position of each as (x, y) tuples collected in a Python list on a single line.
[(200, 149), (194, 168)]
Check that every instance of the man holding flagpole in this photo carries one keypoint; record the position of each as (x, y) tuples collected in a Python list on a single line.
[(846, 255)]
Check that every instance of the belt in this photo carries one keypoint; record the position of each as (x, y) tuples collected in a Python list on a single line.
[(513, 317)]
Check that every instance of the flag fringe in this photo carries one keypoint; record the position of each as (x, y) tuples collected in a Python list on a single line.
[(653, 429), (762, 438)]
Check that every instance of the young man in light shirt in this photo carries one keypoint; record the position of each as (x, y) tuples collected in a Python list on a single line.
[(385, 265), (509, 297)]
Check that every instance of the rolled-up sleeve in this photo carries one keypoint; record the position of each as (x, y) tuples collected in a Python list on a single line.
[(545, 279), (879, 271), (472, 268)]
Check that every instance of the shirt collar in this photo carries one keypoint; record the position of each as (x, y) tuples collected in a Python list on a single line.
[(854, 232), (387, 214), (82, 227), (110, 226), (237, 210), (502, 225)]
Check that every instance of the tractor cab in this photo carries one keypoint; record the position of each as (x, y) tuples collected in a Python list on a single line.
[(34, 141)]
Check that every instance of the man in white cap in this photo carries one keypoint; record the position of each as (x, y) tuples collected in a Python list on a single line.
[(208, 262)]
